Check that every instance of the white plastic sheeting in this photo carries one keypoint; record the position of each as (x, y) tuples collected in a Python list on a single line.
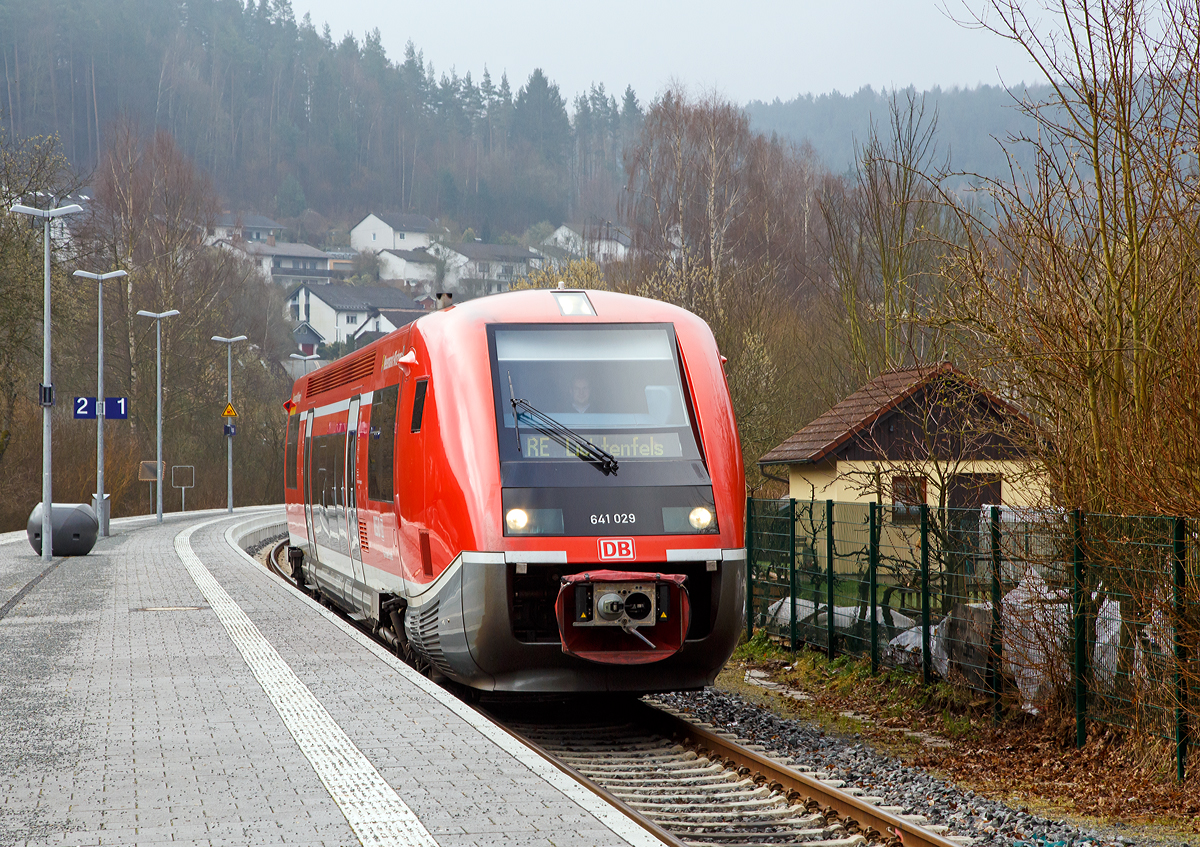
[(779, 613), (1036, 644)]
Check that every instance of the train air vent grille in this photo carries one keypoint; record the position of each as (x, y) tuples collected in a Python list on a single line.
[(362, 536), (423, 633), (343, 373)]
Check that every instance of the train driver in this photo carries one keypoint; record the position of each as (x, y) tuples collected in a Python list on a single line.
[(581, 394)]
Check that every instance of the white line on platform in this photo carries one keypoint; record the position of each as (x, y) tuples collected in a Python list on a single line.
[(606, 813), (372, 808)]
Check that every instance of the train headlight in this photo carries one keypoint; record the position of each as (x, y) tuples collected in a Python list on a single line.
[(700, 518), (525, 521)]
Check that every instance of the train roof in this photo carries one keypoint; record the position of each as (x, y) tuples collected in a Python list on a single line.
[(547, 304), (530, 306)]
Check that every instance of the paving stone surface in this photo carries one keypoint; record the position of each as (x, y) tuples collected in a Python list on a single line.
[(128, 716)]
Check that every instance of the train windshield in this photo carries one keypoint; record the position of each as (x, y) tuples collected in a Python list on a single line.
[(617, 386)]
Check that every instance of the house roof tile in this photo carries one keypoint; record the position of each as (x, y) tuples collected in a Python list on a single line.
[(281, 248), (407, 222), (248, 220), (420, 255), (477, 251), (345, 297), (858, 412)]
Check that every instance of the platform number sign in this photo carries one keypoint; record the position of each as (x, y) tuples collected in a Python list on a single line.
[(116, 408)]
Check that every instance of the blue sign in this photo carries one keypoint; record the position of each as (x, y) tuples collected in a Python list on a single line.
[(116, 408), (231, 429)]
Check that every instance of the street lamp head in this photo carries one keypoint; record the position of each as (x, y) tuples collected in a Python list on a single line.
[(158, 315), (100, 277), (306, 358), (47, 213), (225, 340)]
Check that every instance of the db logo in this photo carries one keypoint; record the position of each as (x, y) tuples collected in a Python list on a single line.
[(616, 548)]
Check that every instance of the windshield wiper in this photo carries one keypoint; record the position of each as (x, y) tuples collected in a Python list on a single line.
[(564, 435)]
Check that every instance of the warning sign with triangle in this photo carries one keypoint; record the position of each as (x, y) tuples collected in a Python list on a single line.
[(229, 412)]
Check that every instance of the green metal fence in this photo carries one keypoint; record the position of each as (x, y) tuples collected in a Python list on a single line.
[(1021, 605)]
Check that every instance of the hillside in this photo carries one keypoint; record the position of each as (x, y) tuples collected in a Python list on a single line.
[(969, 123)]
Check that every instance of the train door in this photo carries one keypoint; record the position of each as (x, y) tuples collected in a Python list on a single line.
[(411, 466), (350, 498), (308, 485)]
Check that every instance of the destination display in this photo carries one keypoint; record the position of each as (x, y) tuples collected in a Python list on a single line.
[(624, 445)]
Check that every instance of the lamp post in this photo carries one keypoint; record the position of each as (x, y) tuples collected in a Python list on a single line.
[(101, 507), (306, 359), (158, 319), (46, 390), (228, 342)]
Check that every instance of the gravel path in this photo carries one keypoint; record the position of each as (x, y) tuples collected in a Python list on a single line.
[(849, 759)]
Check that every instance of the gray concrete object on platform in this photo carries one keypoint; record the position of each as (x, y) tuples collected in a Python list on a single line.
[(73, 526)]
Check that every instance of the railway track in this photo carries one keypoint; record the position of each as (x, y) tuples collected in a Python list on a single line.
[(705, 788), (693, 785)]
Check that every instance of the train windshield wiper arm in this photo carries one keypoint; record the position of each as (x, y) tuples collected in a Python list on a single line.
[(564, 435)]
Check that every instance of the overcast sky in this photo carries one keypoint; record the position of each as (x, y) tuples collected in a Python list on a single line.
[(750, 50)]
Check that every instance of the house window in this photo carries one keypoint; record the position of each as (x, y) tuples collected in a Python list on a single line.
[(908, 495), (400, 236), (372, 236), (278, 263), (506, 271), (351, 319), (482, 268)]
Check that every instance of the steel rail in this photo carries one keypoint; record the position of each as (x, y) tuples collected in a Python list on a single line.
[(850, 809)]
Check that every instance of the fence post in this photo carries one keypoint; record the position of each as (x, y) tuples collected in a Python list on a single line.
[(749, 567), (1079, 668), (926, 657), (996, 655), (831, 642), (1181, 726), (872, 572), (792, 568)]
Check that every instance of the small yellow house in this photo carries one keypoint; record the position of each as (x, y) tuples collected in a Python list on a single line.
[(925, 434)]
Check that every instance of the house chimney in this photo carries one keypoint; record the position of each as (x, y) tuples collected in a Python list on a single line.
[(271, 240)]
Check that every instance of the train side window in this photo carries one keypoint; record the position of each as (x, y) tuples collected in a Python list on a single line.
[(419, 405), (293, 445), (381, 444)]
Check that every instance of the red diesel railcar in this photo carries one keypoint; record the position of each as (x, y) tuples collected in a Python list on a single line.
[(539, 491)]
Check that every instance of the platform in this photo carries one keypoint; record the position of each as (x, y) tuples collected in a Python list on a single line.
[(166, 688)]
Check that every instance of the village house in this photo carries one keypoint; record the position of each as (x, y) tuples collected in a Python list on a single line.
[(474, 269), (234, 226), (285, 262), (920, 435), (392, 232), (911, 438), (332, 314), (417, 269), (600, 241)]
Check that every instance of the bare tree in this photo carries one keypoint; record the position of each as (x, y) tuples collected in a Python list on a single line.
[(886, 234)]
